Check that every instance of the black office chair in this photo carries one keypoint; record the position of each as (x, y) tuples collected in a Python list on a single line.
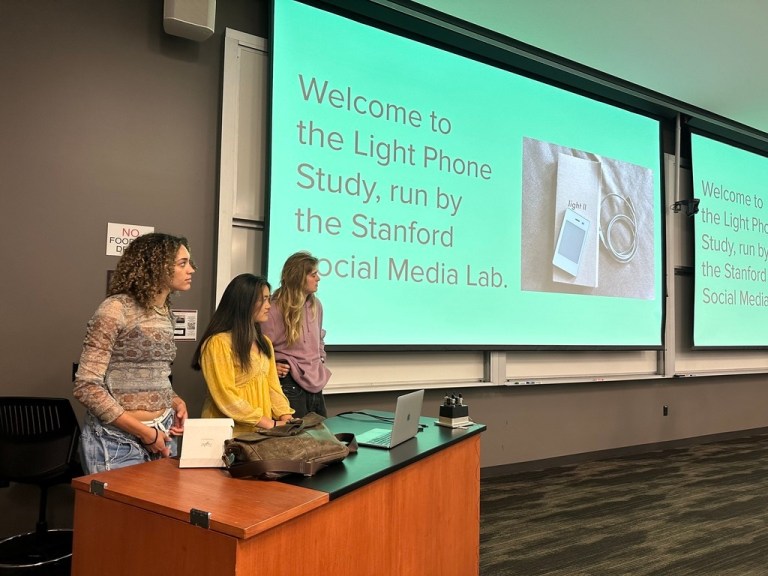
[(38, 445)]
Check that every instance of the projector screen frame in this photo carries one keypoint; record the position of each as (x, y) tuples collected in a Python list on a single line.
[(577, 81), (737, 140)]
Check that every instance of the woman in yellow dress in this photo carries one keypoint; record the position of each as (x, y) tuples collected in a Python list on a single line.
[(238, 361)]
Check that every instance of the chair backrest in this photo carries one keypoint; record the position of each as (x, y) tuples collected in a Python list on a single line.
[(38, 438)]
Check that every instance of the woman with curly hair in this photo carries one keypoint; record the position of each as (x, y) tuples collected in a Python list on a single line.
[(295, 326), (238, 362), (123, 375)]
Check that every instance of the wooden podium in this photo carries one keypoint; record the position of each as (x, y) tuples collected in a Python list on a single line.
[(416, 513)]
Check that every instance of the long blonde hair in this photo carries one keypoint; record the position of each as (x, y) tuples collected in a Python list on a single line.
[(291, 296)]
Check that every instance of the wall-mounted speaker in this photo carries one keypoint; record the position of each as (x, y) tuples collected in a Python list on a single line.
[(193, 19)]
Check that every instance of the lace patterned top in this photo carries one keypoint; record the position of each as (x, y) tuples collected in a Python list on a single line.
[(126, 360)]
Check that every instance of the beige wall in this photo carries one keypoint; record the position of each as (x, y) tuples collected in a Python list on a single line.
[(105, 118)]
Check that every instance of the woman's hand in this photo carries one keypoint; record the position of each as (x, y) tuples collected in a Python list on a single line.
[(282, 369), (283, 420), (179, 416), (155, 442)]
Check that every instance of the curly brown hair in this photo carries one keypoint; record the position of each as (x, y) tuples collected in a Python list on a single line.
[(146, 267)]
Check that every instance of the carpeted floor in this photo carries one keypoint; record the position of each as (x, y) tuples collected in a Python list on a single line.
[(701, 510)]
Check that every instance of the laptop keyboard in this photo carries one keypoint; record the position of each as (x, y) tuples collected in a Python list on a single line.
[(382, 440)]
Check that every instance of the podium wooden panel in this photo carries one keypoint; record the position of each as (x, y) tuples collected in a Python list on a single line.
[(423, 518)]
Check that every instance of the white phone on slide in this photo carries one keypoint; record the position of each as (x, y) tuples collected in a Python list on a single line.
[(570, 242)]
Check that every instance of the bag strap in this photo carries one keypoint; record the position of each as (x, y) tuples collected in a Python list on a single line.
[(260, 467), (349, 439)]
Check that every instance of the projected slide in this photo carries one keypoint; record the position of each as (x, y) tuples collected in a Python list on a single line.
[(731, 245), (455, 204), (615, 199)]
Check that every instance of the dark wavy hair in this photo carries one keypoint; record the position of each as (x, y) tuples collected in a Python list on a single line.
[(235, 314), (146, 267)]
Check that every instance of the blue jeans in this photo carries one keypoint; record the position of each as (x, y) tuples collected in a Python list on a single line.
[(106, 447), (302, 401)]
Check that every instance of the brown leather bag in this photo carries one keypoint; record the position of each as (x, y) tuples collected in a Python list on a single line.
[(303, 446)]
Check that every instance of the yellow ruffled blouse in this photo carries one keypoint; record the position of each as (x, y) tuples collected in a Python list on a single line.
[(243, 396)]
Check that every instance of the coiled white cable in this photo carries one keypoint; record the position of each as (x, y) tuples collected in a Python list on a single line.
[(627, 218)]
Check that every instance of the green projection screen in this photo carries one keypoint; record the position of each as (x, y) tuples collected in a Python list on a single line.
[(731, 245), (454, 204)]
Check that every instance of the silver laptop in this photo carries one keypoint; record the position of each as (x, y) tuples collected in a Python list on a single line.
[(405, 426)]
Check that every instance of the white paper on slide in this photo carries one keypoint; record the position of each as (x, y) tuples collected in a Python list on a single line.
[(203, 442), (578, 187)]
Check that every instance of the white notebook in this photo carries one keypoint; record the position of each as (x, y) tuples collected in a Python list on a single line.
[(203, 442)]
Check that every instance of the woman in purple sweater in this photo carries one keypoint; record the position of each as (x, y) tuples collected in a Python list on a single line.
[(295, 327)]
